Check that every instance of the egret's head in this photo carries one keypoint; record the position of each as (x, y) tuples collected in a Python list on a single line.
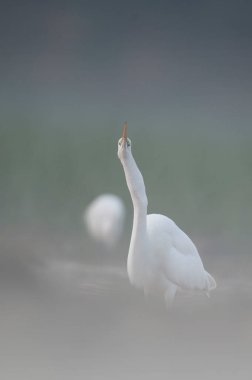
[(124, 143)]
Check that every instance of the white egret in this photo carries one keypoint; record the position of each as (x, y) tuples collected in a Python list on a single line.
[(104, 219), (161, 258)]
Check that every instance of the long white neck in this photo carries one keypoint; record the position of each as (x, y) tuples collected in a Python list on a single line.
[(138, 245), (135, 184)]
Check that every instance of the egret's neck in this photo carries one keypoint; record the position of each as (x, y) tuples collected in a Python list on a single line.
[(138, 257), (136, 186)]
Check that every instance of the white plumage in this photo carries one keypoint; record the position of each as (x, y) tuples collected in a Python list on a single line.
[(104, 219), (161, 258)]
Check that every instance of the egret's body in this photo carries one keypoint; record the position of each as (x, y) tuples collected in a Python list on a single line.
[(161, 258), (104, 219)]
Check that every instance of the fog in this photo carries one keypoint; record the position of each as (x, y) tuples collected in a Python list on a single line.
[(67, 313), (70, 76)]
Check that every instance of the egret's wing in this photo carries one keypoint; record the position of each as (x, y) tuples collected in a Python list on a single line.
[(177, 255), (186, 271)]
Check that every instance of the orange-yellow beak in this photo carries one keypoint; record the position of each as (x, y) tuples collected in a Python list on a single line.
[(125, 133)]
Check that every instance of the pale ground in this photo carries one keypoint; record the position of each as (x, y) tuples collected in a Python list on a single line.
[(69, 314)]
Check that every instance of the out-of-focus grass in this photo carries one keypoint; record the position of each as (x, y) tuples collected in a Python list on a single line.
[(49, 174)]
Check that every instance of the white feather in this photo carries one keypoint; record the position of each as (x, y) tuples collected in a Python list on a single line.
[(104, 219)]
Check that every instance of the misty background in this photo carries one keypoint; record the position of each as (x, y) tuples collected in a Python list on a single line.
[(71, 73)]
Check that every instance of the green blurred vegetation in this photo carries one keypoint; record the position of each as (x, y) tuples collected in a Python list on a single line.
[(49, 174)]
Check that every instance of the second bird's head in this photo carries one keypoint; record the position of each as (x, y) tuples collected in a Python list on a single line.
[(124, 143)]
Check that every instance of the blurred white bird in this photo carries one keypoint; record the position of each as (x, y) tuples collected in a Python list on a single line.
[(104, 219), (161, 258)]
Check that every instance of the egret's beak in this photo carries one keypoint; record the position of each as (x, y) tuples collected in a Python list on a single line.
[(125, 133)]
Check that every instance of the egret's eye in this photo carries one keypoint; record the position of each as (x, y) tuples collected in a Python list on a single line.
[(128, 142)]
